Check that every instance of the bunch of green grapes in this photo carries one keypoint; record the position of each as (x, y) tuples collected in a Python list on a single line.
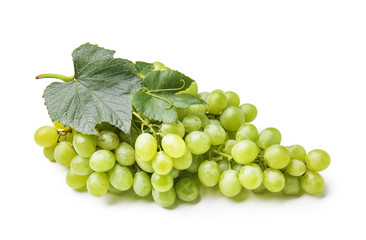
[(212, 144)]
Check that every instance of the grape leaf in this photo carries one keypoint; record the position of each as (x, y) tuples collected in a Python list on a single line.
[(164, 85), (100, 92), (142, 68)]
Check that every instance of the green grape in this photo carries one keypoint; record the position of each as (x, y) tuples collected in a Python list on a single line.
[(259, 189), (217, 91), (233, 99), (181, 112), (223, 165), (98, 184), (173, 128), (217, 102), (273, 180), (196, 161), (203, 95), (76, 181), (312, 182), (146, 147), (209, 173), (244, 152), (85, 145), (317, 160), (64, 153), (297, 152), (292, 185), (216, 133), (192, 89), (162, 163), (229, 183), (215, 122), (162, 183), (296, 168), (60, 126), (141, 184), (102, 160), (228, 146), (125, 154), (250, 111), (158, 66), (184, 161), (269, 137), (236, 166), (107, 140), (120, 177), (164, 199), (198, 142), (174, 172), (204, 119), (232, 118), (247, 132), (46, 136), (187, 189), (173, 145), (146, 166), (80, 165), (48, 152), (191, 123), (114, 190), (251, 176), (277, 156), (201, 108)]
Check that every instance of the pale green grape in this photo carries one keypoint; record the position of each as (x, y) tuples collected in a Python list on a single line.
[(244, 152), (191, 123), (46, 136), (217, 91), (102, 160), (229, 183), (312, 182), (64, 153), (192, 89), (223, 165), (120, 177), (228, 146), (162, 163), (60, 126), (85, 145), (251, 176), (247, 132), (215, 122), (164, 199), (233, 99), (48, 152), (146, 166), (250, 111), (141, 184), (146, 147), (125, 154), (196, 161), (203, 95), (201, 108), (217, 102), (174, 128), (174, 172), (209, 173), (181, 112), (183, 162), (216, 133), (273, 180), (114, 190), (80, 165), (98, 184), (277, 156), (236, 166), (162, 183), (173, 145), (297, 152), (232, 118), (204, 119), (259, 189), (107, 140), (292, 185), (198, 142), (269, 137), (317, 160), (187, 189), (76, 181), (296, 167)]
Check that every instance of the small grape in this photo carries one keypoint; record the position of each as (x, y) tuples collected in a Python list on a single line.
[(107, 140), (173, 128), (198, 142), (125, 154), (204, 119), (269, 137), (80, 165), (317, 160), (162, 163), (162, 183), (229, 183), (48, 152), (232, 118), (250, 112), (85, 145), (216, 133), (217, 102), (146, 147), (64, 153), (164, 199), (173, 145), (146, 166), (244, 152), (215, 122), (233, 99), (46, 136), (277, 156), (209, 173), (201, 108), (296, 168), (312, 182), (223, 165), (259, 189), (187, 189), (191, 123), (183, 162), (76, 181), (102, 160), (273, 180), (142, 184), (297, 152), (98, 184), (292, 185), (228, 146), (251, 176), (120, 177), (175, 172), (247, 132)]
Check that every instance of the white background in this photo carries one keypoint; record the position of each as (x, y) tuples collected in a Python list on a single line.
[(302, 63)]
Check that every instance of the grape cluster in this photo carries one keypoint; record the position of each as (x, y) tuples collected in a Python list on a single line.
[(212, 144)]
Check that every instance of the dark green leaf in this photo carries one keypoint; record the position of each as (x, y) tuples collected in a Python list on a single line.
[(167, 79), (142, 68)]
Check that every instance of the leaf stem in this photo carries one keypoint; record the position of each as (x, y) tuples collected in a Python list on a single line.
[(169, 89), (229, 157), (144, 123), (55, 75), (161, 98)]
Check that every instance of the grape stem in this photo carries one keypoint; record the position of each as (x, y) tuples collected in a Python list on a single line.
[(229, 157), (55, 75), (168, 89), (144, 123)]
